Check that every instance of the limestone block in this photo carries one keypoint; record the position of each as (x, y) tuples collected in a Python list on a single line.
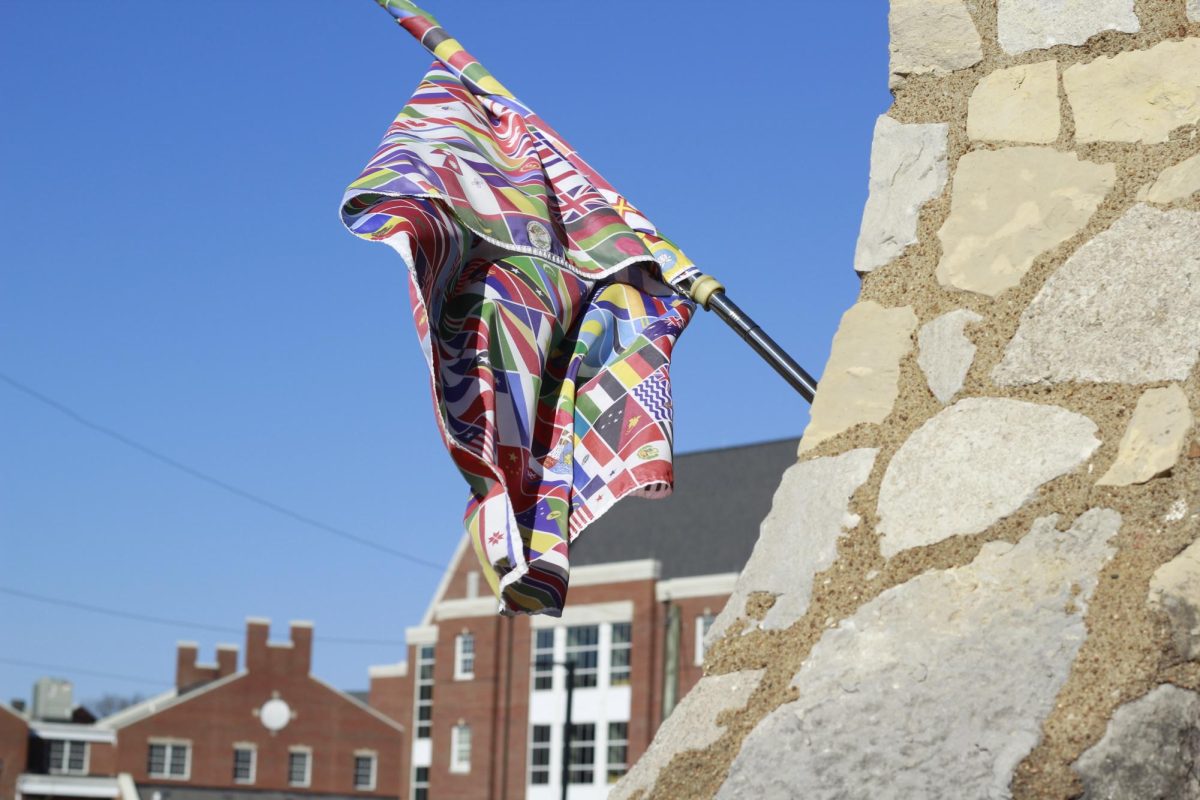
[(931, 36), (861, 379), (908, 167), (1019, 104), (1034, 24), (1175, 589), (1140, 96), (1193, 10), (1150, 750), (798, 538), (945, 353), (1009, 206), (938, 687), (1175, 183), (1154, 439), (1122, 309), (692, 726), (973, 464)]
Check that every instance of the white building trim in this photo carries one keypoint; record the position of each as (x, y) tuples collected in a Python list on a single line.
[(465, 607), (444, 583), (67, 786), (72, 732), (127, 787), (168, 699), (421, 634), (695, 586), (589, 614), (397, 670), (616, 572)]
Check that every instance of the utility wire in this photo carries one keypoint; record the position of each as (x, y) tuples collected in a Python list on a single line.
[(210, 479), (82, 671), (176, 623)]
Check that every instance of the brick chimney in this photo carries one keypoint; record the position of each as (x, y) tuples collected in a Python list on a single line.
[(188, 673), (227, 659), (302, 636), (258, 629)]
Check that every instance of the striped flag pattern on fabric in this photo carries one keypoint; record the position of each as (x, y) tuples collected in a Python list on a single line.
[(543, 304)]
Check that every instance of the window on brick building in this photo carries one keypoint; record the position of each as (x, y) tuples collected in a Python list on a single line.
[(583, 648), (460, 748), (244, 758), (618, 750), (67, 757), (582, 767), (421, 783), (299, 766), (364, 769), (464, 657), (169, 759), (539, 755), (424, 689), (543, 659), (703, 623), (619, 654)]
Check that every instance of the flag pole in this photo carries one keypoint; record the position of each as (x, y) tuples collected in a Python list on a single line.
[(708, 292)]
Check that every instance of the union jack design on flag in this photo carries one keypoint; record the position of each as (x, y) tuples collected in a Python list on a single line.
[(543, 304)]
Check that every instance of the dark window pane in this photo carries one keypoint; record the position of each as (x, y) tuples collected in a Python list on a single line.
[(422, 774), (541, 733), (157, 762), (178, 760), (621, 632)]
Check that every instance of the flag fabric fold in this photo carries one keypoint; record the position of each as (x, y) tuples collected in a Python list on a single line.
[(544, 305)]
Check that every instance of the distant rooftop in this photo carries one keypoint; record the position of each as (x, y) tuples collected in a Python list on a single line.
[(707, 526)]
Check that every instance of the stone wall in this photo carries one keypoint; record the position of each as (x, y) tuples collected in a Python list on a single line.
[(982, 578)]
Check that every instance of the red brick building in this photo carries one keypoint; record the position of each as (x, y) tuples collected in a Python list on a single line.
[(482, 695), (14, 750), (267, 730)]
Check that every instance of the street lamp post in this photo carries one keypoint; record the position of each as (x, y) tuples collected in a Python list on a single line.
[(566, 748)]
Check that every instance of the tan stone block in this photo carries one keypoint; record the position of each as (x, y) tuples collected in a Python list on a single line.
[(861, 378), (1175, 588), (1019, 104), (931, 36), (1009, 206), (1154, 439), (1175, 183), (1139, 96)]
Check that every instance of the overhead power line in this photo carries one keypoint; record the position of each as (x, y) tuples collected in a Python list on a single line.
[(69, 670), (175, 623), (212, 480)]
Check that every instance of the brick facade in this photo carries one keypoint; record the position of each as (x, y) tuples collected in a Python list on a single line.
[(14, 749)]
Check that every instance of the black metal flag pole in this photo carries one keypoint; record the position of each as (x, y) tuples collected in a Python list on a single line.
[(708, 292)]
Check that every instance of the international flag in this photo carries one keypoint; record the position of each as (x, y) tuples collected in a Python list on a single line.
[(543, 303)]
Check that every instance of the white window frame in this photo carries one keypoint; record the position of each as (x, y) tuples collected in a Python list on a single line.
[(308, 765), (171, 745), (253, 748), (462, 673), (579, 743), (374, 756), (701, 630), (548, 746), (423, 730), (458, 764), (609, 743), (65, 767)]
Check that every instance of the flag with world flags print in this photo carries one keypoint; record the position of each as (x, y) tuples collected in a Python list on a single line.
[(544, 305)]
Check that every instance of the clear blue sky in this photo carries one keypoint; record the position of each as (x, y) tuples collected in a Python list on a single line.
[(172, 267)]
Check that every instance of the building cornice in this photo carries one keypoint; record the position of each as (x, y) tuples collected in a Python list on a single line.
[(587, 614), (421, 634), (466, 607), (73, 731), (717, 585), (398, 670), (644, 569), (67, 786)]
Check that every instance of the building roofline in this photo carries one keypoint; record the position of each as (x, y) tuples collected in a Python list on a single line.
[(743, 446), (444, 583), (19, 715), (160, 703), (360, 704)]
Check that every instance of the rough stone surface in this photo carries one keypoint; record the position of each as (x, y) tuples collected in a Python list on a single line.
[(1193, 10), (1009, 206), (1154, 439), (1019, 104), (1175, 183), (1035, 24), (1150, 750), (1175, 589), (938, 687), (1140, 96), (908, 167), (1122, 309), (945, 353), (931, 36), (798, 538), (692, 726), (974, 463), (861, 379)]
